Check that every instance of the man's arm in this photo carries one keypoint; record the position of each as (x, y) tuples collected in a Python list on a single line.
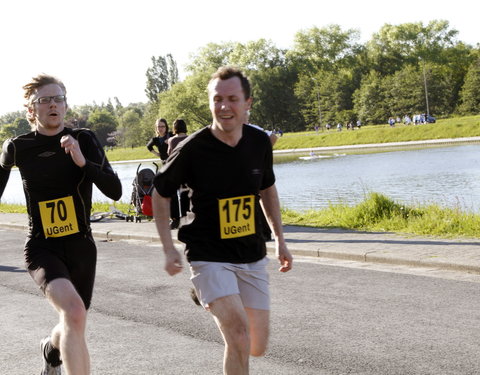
[(6, 163), (271, 207), (94, 162), (161, 213)]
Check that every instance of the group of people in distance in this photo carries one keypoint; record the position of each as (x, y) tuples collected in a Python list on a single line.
[(227, 167)]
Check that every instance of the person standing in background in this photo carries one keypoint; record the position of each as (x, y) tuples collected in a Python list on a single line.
[(160, 140), (180, 201)]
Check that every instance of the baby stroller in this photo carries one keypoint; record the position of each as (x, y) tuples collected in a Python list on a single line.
[(141, 202)]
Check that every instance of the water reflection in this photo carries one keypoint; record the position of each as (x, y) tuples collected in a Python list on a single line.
[(448, 176)]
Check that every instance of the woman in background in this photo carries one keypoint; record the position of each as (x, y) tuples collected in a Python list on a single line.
[(160, 141)]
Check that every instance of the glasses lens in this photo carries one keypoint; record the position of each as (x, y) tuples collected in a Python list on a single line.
[(44, 100), (59, 98), (48, 99)]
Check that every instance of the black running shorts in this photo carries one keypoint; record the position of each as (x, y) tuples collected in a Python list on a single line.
[(73, 258)]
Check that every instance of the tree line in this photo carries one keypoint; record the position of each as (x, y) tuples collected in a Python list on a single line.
[(328, 76)]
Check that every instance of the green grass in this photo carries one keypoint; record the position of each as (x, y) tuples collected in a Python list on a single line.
[(442, 129), (456, 127), (376, 213), (128, 153), (379, 213)]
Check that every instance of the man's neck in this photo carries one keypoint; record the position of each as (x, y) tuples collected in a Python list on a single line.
[(231, 138), (50, 131)]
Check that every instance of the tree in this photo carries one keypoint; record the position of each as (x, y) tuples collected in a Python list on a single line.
[(327, 95), (275, 105), (19, 126), (210, 57), (128, 131), (470, 94), (187, 100), (370, 100), (328, 48), (10, 117), (256, 55), (102, 123), (161, 76), (395, 46)]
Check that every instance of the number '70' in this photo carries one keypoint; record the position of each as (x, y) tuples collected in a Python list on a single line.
[(61, 210)]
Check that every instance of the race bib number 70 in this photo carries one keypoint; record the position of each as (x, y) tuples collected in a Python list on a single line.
[(58, 217), (237, 216)]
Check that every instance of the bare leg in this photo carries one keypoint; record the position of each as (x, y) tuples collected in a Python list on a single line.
[(231, 319), (258, 321), (69, 334)]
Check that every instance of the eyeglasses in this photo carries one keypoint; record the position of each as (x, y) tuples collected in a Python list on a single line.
[(48, 99)]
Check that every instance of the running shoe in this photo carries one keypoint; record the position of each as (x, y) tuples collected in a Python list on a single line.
[(175, 223), (53, 359), (193, 295)]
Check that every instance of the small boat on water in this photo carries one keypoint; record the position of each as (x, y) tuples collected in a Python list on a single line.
[(312, 157)]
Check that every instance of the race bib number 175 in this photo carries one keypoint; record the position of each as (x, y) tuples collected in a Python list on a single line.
[(58, 217), (237, 216)]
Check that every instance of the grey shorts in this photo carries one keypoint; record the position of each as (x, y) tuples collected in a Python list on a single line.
[(213, 280)]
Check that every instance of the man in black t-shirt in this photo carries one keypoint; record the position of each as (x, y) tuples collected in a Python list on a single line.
[(228, 168), (58, 166)]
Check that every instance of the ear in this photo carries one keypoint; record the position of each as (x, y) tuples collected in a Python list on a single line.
[(248, 105), (31, 109)]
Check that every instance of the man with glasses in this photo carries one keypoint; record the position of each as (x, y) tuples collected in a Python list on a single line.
[(58, 166), (228, 167)]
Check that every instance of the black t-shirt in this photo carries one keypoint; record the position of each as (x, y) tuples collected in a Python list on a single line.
[(225, 182), (161, 144), (53, 183)]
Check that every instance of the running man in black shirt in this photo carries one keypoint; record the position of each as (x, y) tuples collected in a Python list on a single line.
[(58, 166), (228, 167)]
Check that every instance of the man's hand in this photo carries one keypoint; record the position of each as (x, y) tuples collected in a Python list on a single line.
[(284, 257), (71, 146), (173, 262)]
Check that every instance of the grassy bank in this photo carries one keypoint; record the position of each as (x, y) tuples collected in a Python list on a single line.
[(376, 213), (379, 213), (442, 129), (449, 128)]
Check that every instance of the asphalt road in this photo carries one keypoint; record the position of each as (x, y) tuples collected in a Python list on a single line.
[(328, 317)]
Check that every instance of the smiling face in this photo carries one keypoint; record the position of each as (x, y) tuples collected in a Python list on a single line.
[(49, 117), (228, 104)]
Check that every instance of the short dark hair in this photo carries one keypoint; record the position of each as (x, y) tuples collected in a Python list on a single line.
[(227, 72), (179, 126)]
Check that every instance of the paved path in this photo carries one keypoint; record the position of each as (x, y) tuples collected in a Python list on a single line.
[(373, 247)]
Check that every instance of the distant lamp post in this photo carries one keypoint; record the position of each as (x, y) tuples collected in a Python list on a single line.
[(319, 110), (319, 103), (426, 89)]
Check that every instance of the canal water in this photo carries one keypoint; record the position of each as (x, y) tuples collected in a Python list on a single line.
[(447, 176)]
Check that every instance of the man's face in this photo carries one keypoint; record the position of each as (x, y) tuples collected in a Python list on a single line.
[(49, 116), (227, 103)]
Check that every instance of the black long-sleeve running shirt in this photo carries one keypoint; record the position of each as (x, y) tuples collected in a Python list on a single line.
[(58, 193)]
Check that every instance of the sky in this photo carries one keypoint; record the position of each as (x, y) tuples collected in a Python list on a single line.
[(101, 49)]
